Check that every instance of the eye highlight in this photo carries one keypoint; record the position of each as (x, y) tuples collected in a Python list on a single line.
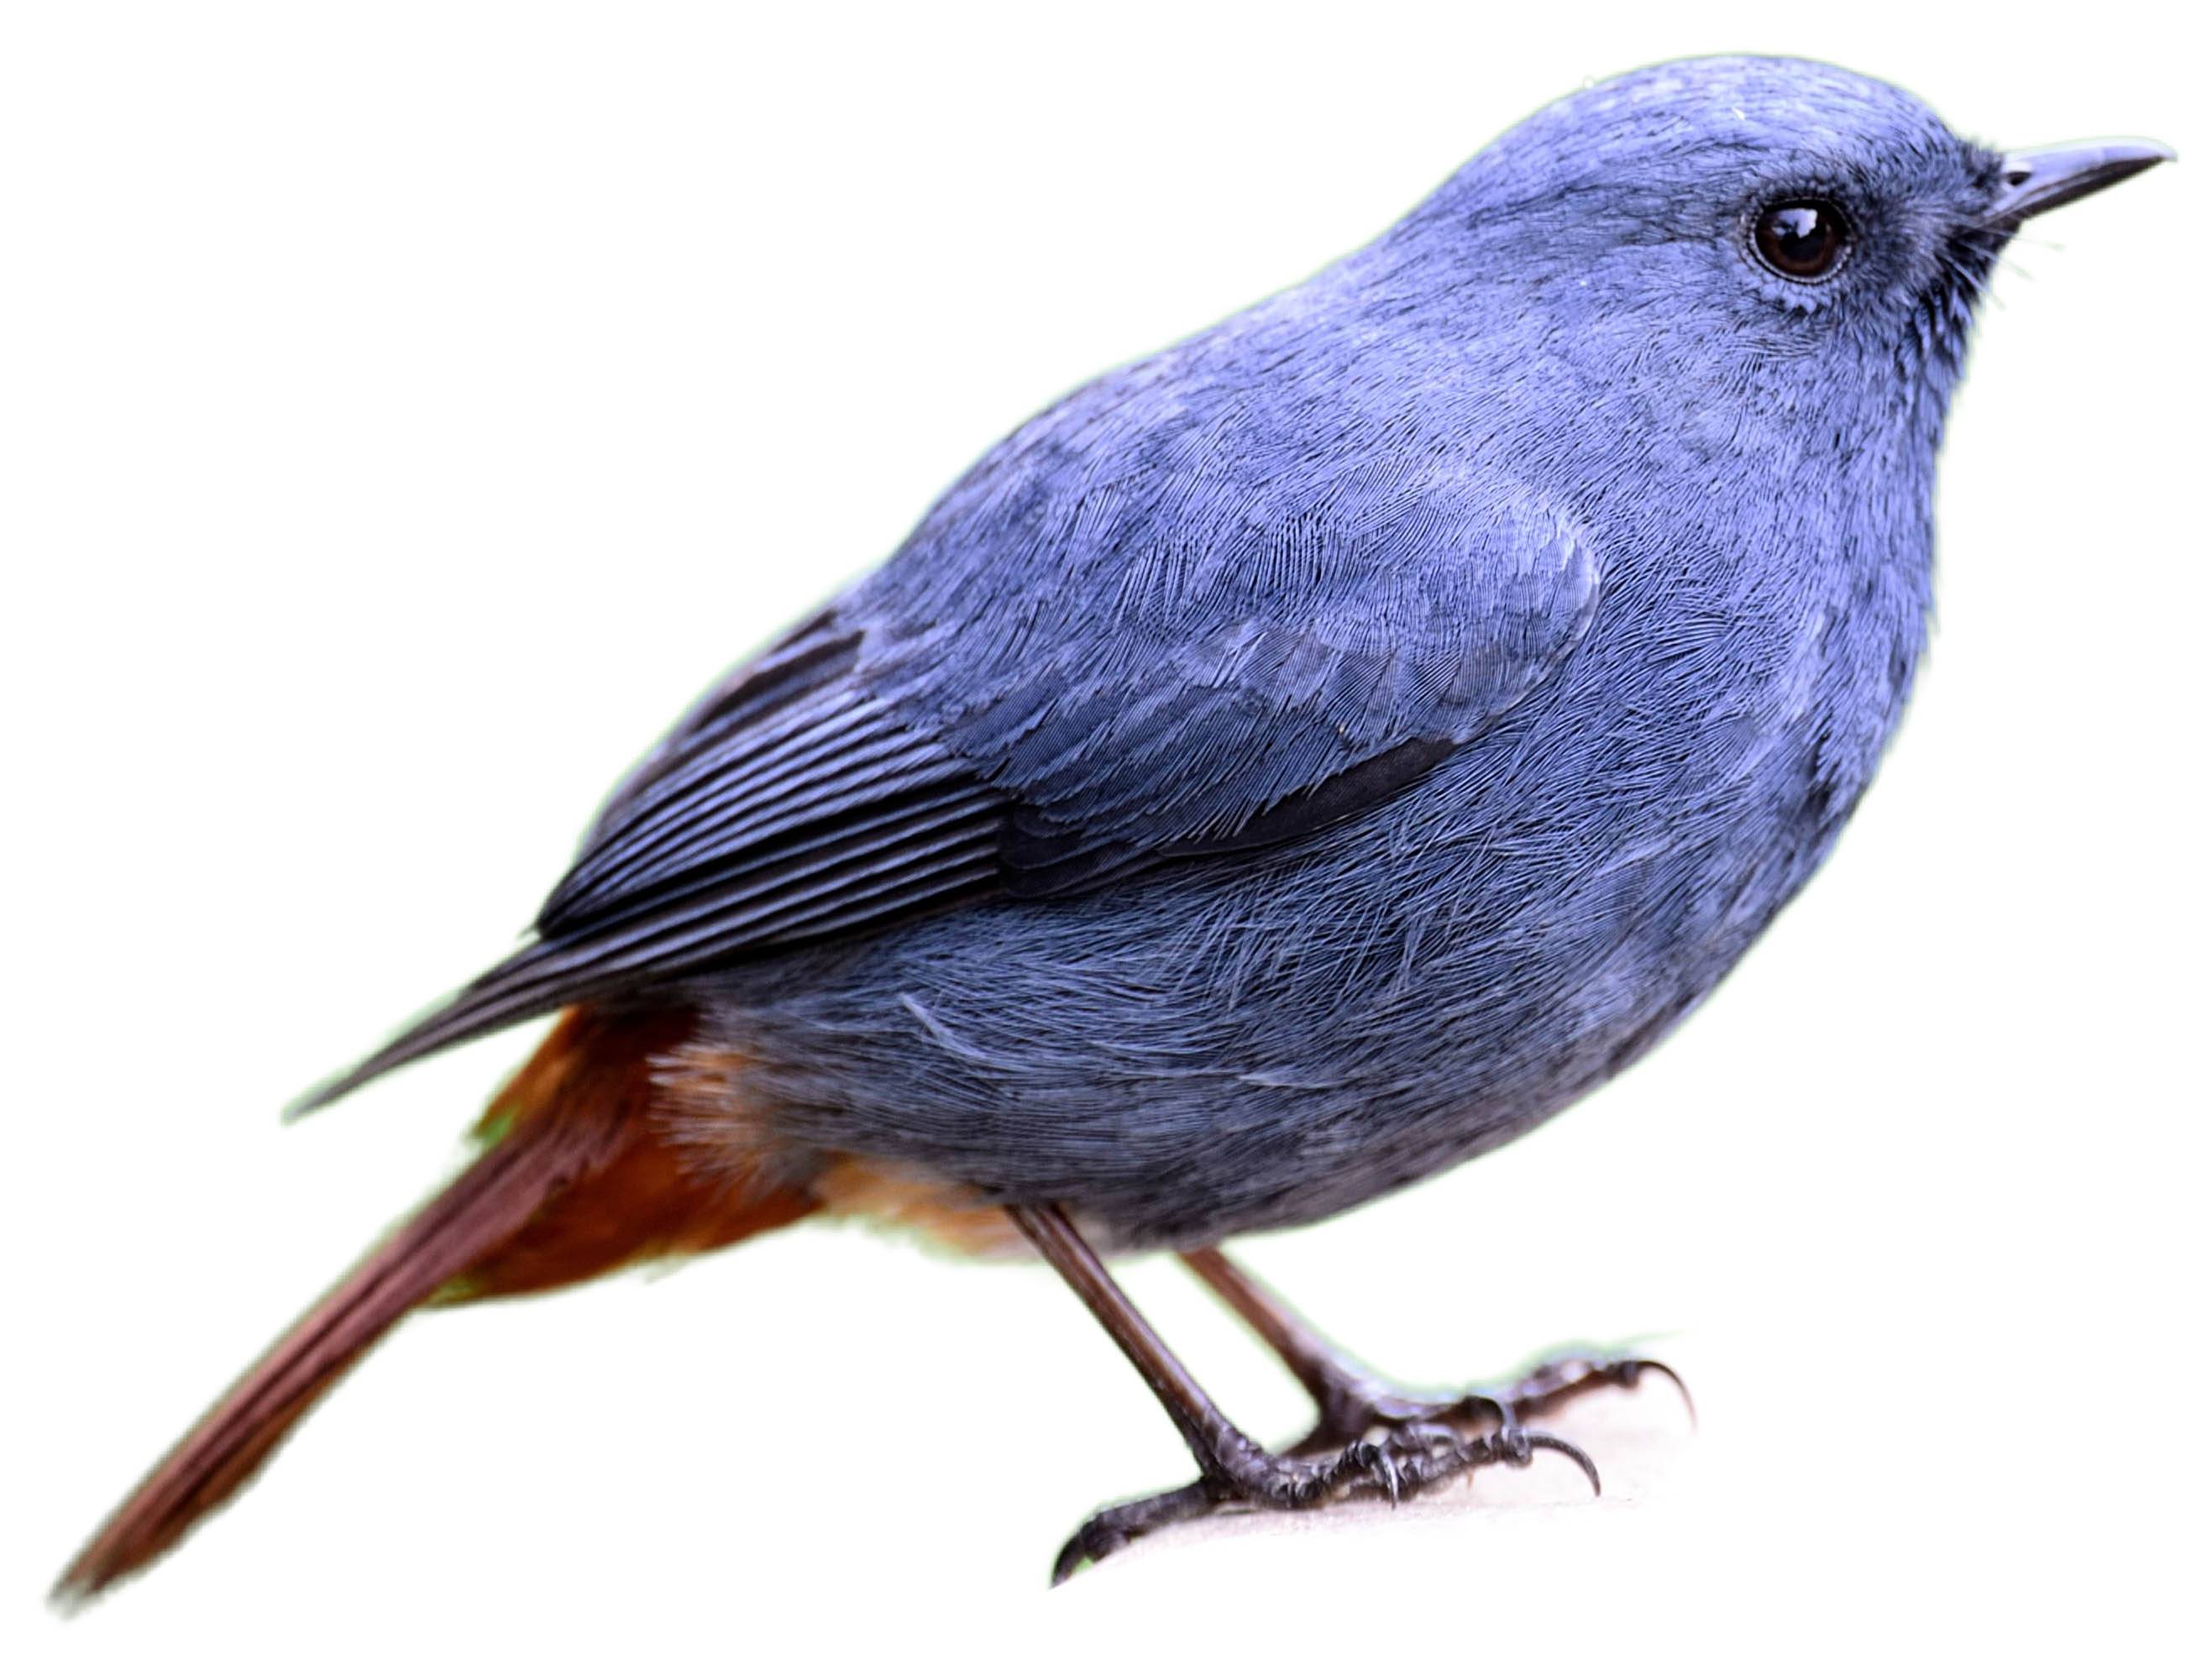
[(1804, 240)]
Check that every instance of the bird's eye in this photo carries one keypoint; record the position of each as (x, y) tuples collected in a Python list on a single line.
[(1802, 240)]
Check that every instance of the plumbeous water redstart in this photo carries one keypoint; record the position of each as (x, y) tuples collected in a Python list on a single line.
[(1288, 766)]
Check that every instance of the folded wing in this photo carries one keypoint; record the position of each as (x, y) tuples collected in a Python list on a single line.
[(1069, 675)]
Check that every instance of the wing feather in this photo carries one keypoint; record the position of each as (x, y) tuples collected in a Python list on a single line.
[(1106, 648)]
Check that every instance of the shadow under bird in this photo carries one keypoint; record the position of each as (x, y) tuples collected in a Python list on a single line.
[(1290, 765)]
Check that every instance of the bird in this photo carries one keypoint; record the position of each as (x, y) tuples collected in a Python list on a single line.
[(1289, 766)]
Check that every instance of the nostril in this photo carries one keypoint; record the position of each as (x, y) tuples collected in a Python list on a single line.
[(2019, 175)]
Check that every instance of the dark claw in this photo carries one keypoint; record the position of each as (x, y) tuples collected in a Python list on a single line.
[(1633, 1370), (1387, 1466), (1534, 1442), (1084, 1545), (1111, 1529)]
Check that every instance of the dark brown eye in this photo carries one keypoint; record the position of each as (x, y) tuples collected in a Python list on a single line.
[(1802, 240)]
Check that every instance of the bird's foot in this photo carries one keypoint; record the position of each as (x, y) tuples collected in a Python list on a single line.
[(1356, 1403), (1395, 1462)]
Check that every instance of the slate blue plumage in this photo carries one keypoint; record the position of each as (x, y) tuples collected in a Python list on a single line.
[(1317, 753), (1291, 765)]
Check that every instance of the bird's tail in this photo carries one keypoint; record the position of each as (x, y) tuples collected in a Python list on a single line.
[(572, 1181)]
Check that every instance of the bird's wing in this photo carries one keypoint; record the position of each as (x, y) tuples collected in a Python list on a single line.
[(1130, 686)]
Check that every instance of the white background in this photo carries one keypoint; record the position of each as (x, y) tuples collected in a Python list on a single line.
[(405, 409)]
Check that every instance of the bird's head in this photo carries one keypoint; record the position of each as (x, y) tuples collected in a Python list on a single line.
[(1761, 220)]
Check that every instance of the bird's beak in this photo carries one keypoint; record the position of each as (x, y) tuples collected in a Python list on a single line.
[(2037, 180)]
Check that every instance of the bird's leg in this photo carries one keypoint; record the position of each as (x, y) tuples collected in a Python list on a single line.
[(1235, 1471), (1354, 1401)]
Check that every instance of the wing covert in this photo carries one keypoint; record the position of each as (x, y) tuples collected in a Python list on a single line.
[(1037, 697)]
